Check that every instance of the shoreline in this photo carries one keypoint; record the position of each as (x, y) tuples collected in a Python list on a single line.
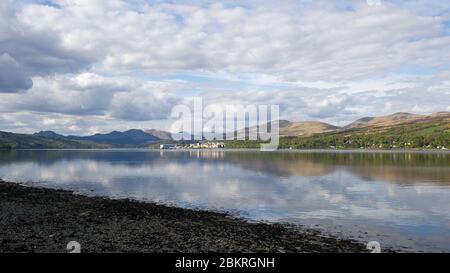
[(45, 220), (413, 150)]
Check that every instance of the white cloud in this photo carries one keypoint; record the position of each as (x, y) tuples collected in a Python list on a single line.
[(27, 51), (91, 94), (316, 44), (130, 61), (142, 105), (12, 75)]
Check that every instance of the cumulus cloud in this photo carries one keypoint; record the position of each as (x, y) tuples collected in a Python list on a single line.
[(91, 94), (12, 75), (9, 124), (59, 95), (27, 51), (314, 44), (142, 105), (341, 105), (131, 61)]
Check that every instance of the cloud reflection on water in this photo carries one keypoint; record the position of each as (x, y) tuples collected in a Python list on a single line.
[(394, 195)]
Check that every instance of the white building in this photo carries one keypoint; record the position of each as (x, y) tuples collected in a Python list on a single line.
[(166, 146)]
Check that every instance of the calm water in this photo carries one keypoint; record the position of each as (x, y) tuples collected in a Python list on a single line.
[(399, 199)]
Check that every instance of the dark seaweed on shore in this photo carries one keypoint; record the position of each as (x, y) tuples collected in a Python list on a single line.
[(45, 220)]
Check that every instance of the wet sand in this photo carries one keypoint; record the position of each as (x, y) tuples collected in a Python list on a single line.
[(45, 220)]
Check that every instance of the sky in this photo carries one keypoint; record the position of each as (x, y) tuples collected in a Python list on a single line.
[(92, 66)]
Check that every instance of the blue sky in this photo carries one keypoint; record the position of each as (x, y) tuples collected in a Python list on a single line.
[(80, 67)]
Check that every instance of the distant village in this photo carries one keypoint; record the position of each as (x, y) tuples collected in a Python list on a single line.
[(198, 145)]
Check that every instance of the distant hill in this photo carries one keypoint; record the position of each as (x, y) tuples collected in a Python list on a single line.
[(130, 137), (399, 130), (162, 135), (368, 124), (23, 141), (50, 139), (289, 128), (305, 128), (378, 124), (49, 135)]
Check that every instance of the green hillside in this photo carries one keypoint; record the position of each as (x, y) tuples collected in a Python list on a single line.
[(22, 141), (421, 135)]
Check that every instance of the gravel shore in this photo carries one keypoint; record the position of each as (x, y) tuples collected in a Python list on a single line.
[(45, 220)]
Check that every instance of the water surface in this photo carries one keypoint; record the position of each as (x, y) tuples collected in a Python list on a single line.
[(401, 199)]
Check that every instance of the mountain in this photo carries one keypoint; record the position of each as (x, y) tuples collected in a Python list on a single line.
[(390, 120), (367, 125), (162, 135), (397, 131), (24, 141), (290, 129), (130, 137), (50, 139), (398, 119), (305, 128), (49, 135), (359, 123)]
